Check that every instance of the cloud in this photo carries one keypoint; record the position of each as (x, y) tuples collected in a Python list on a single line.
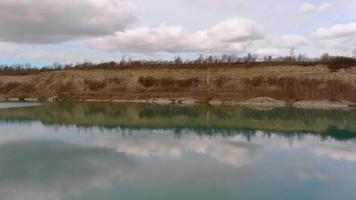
[(133, 27), (271, 52), (280, 45), (42, 21), (230, 35), (235, 30), (310, 7), (209, 3), (336, 31), (287, 41), (48, 54)]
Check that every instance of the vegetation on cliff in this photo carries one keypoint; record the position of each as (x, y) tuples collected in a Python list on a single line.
[(227, 79)]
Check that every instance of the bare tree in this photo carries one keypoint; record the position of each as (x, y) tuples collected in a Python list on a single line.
[(200, 59), (210, 59), (267, 58), (325, 57), (250, 58), (123, 60), (301, 58), (178, 60)]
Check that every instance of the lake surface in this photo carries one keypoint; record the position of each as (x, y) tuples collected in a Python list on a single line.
[(87, 151)]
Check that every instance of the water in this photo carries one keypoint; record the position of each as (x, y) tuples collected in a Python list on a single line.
[(69, 151), (17, 105)]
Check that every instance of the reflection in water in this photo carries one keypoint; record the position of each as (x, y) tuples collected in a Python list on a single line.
[(203, 120), (57, 170), (113, 151), (17, 105), (235, 151)]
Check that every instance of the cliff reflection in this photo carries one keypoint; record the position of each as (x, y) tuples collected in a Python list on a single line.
[(203, 120), (57, 170)]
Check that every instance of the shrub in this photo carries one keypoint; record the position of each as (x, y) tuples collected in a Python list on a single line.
[(221, 81), (289, 88), (169, 83), (27, 87), (9, 86), (66, 87), (95, 85), (337, 63), (191, 82), (147, 81), (115, 81)]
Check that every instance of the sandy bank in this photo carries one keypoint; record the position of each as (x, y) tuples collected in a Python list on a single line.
[(263, 101), (260, 87), (324, 104)]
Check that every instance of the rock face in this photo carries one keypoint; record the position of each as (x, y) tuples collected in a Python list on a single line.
[(254, 85)]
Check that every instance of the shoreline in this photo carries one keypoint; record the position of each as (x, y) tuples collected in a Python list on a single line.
[(261, 87), (259, 103)]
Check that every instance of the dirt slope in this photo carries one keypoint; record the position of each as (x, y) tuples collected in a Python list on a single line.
[(226, 84)]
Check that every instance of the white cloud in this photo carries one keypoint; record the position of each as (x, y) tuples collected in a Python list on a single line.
[(271, 52), (288, 41), (279, 45), (234, 30), (209, 3), (109, 28), (42, 21), (310, 7), (324, 7), (336, 31), (231, 35), (48, 54)]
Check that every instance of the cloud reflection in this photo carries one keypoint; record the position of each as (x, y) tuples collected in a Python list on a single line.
[(235, 151), (337, 152), (57, 170), (309, 175)]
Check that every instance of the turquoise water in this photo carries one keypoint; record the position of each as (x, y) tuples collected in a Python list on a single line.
[(114, 151)]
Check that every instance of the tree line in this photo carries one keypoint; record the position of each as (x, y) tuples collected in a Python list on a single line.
[(334, 62)]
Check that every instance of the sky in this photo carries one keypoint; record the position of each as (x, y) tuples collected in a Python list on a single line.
[(43, 32)]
